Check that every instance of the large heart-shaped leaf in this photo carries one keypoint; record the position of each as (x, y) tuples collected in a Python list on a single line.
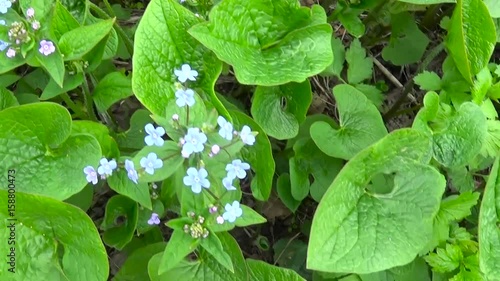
[(360, 125), (53, 240), (363, 228), (162, 45), (268, 42), (120, 221), (35, 141), (489, 232), (279, 120), (471, 37)]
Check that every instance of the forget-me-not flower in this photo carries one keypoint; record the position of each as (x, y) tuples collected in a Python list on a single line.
[(184, 97), (228, 184), (220, 220), (10, 52), (226, 128), (30, 12), (3, 22), (151, 163), (4, 6), (3, 45), (91, 174), (35, 25), (154, 136), (107, 167), (46, 47), (236, 169), (196, 179), (154, 219), (131, 172), (246, 136), (185, 73), (194, 141), (232, 211)]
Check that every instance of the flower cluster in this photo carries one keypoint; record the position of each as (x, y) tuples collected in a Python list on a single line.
[(19, 34), (195, 141), (196, 229), (105, 169)]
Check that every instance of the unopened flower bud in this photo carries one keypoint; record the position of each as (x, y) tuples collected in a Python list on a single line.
[(215, 149)]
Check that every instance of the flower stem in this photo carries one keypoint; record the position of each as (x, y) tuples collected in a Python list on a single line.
[(88, 101), (73, 106), (129, 44)]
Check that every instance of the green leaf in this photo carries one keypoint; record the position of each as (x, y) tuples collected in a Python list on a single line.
[(268, 42), (360, 125), (35, 140), (145, 215), (471, 37), (260, 270), (79, 9), (249, 217), (397, 222), (7, 99), (54, 240), (133, 138), (53, 64), (428, 81), (407, 43), (100, 132), (8, 64), (349, 18), (481, 85), (78, 42), (120, 221), (457, 207), (112, 88), (213, 246), (489, 232), (427, 2), (82, 199), (494, 8), (62, 21), (445, 260), (284, 189), (120, 183), (279, 110), (458, 135), (178, 247), (372, 93), (336, 67), (70, 82), (42, 7), (491, 145), (309, 161), (461, 179), (360, 67), (259, 156), (162, 45), (136, 265), (204, 267)]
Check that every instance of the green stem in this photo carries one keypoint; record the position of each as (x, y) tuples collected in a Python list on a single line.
[(129, 44), (88, 101), (108, 7), (76, 109)]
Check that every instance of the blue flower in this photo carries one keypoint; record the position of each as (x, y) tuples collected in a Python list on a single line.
[(4, 5), (3, 45), (185, 73), (154, 135), (151, 163), (237, 169), (226, 128), (196, 179), (232, 212), (184, 97), (154, 219), (246, 135), (2, 22), (107, 167), (194, 141), (91, 174), (131, 172), (228, 184)]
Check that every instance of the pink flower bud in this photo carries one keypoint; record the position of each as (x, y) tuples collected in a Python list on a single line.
[(215, 149)]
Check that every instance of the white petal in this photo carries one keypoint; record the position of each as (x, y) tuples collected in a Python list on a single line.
[(149, 128), (149, 140)]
